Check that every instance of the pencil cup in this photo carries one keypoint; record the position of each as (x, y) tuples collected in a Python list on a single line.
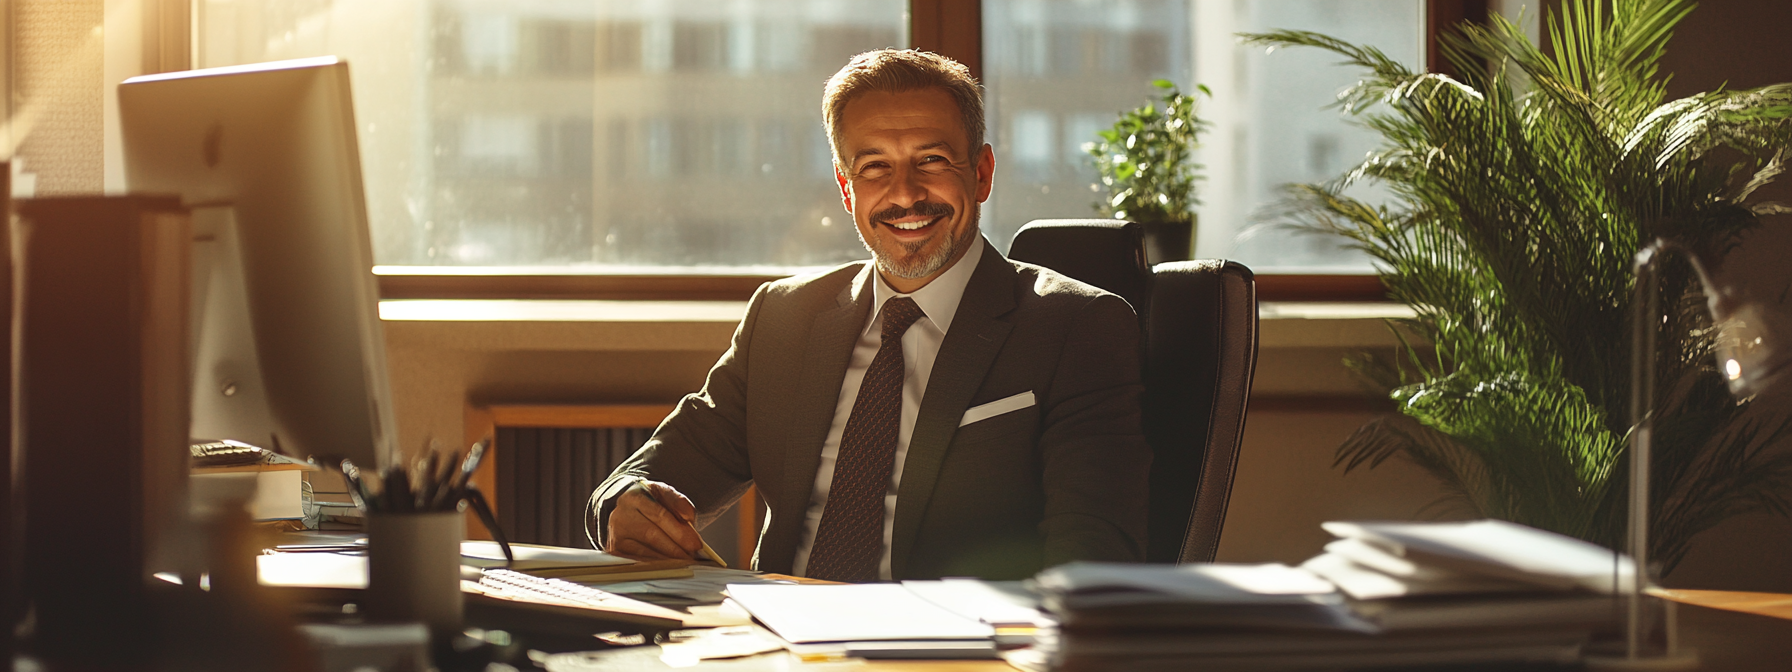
[(413, 569)]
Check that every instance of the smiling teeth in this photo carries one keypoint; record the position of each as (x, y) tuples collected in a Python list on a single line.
[(910, 226)]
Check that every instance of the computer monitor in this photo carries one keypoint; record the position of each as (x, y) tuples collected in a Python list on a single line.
[(288, 346)]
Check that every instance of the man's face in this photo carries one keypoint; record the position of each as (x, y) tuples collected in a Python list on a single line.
[(912, 182)]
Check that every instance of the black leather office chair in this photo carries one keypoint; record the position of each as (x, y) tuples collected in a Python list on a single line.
[(1199, 322)]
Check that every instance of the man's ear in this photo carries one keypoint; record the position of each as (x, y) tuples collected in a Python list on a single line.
[(845, 188), (986, 172)]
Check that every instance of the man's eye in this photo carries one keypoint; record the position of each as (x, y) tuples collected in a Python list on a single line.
[(873, 171), (935, 164)]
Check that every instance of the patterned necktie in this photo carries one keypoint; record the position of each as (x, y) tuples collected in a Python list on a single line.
[(849, 543)]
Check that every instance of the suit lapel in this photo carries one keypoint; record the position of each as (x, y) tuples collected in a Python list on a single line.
[(964, 359), (827, 352)]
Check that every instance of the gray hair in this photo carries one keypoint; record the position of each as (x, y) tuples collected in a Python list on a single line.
[(899, 71)]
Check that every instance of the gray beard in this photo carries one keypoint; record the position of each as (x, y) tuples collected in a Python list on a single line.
[(921, 267)]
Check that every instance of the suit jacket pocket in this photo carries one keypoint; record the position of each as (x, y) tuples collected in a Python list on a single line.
[(1018, 426), (1003, 406)]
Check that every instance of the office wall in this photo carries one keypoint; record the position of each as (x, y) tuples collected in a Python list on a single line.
[(1741, 44), (57, 70)]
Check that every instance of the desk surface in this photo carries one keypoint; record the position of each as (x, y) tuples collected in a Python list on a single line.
[(1726, 637), (1732, 640), (1726, 640)]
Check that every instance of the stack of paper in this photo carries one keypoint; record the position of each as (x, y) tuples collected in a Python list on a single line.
[(1207, 616), (1383, 595), (1087, 596), (516, 600), (1478, 574), (580, 565), (1490, 552)]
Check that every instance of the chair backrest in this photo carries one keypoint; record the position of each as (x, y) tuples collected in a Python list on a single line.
[(1107, 253), (1199, 323), (1200, 356)]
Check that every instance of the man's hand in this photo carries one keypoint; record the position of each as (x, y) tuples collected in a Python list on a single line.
[(653, 521)]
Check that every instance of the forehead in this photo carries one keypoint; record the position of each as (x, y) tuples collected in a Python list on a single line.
[(922, 116)]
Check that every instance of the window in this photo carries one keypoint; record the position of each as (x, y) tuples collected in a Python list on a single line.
[(629, 138), (617, 136), (1057, 71)]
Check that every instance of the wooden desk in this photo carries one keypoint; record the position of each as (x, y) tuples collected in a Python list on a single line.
[(1726, 639)]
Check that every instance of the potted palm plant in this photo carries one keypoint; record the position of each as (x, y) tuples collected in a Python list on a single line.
[(1148, 172), (1523, 187)]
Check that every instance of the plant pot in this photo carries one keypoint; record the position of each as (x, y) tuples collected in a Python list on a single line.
[(1169, 241)]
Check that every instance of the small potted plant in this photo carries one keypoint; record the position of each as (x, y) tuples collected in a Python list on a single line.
[(1148, 172)]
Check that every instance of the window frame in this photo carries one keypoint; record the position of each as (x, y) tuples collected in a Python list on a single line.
[(949, 27)]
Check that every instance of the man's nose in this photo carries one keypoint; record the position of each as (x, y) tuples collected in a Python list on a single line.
[(907, 189)]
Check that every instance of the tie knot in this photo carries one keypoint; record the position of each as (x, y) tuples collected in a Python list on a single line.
[(899, 313)]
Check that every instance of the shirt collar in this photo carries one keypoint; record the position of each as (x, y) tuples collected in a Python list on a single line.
[(939, 299)]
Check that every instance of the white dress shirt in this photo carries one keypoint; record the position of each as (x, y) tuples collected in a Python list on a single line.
[(920, 345)]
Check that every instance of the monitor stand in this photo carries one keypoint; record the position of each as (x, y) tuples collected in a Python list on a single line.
[(229, 398)]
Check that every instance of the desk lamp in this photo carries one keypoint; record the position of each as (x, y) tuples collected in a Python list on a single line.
[(1752, 357)]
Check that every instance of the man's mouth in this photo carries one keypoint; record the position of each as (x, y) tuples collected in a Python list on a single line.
[(913, 221), (916, 225)]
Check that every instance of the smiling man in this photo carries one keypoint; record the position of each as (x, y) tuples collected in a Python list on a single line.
[(938, 411)]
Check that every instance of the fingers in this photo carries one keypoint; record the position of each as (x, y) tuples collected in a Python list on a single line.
[(674, 515), (634, 537), (640, 527), (640, 524), (673, 500)]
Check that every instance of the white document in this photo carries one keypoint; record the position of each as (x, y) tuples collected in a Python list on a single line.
[(997, 407), (1366, 582), (977, 600), (853, 613), (1500, 549)]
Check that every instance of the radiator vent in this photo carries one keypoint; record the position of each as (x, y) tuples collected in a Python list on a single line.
[(546, 474)]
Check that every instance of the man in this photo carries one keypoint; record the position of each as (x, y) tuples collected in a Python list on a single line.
[(940, 411)]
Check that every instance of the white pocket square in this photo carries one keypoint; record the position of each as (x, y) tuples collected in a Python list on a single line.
[(997, 407)]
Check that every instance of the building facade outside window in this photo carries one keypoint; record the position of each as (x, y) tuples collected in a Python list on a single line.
[(616, 136)]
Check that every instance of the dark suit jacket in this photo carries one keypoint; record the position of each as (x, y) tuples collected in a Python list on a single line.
[(1000, 498)]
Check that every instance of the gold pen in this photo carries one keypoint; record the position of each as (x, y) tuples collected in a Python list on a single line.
[(712, 553)]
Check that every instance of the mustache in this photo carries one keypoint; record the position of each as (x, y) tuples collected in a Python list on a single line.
[(921, 209)]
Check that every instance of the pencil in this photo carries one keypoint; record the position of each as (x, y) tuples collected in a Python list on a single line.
[(712, 553)]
